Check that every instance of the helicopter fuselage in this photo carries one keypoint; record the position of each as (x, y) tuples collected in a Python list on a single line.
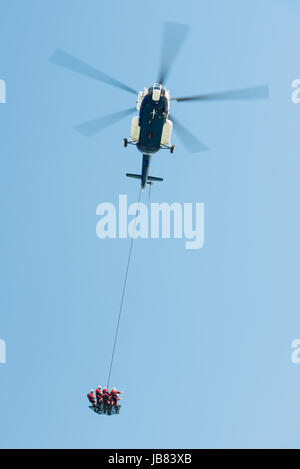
[(151, 130), (152, 117)]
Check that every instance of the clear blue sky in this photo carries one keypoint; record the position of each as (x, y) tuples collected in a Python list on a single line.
[(204, 347)]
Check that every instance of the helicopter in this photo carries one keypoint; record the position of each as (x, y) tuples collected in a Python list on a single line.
[(152, 129)]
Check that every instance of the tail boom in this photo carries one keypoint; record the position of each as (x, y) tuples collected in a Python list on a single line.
[(144, 178)]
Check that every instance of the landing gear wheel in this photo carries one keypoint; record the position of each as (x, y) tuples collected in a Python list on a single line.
[(172, 149), (125, 142)]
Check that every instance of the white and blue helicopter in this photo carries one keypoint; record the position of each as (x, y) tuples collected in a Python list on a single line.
[(151, 129)]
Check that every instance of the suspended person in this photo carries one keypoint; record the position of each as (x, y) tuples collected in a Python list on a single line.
[(99, 397), (114, 398), (91, 398), (106, 399)]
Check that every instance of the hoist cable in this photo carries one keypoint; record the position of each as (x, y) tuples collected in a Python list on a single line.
[(123, 293)]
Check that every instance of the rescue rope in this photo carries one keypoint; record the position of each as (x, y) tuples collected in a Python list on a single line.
[(123, 293)]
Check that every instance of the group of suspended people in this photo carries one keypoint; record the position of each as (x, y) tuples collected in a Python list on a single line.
[(104, 401)]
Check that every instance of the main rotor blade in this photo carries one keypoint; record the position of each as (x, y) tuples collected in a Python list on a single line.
[(173, 38), (258, 92), (66, 60), (94, 126), (192, 144)]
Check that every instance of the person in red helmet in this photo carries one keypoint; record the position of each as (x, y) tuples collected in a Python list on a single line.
[(114, 398), (91, 398), (106, 399), (99, 397)]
